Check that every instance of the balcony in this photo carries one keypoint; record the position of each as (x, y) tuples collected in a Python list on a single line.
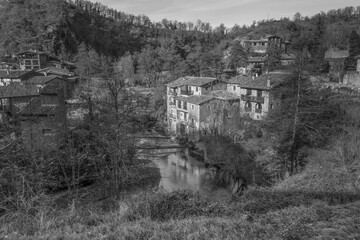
[(249, 98), (187, 93)]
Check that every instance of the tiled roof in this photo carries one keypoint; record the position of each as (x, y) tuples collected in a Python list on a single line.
[(192, 81), (261, 81), (195, 99), (36, 108), (225, 95), (13, 74), (14, 91), (238, 79), (56, 71), (41, 80), (331, 54), (50, 89)]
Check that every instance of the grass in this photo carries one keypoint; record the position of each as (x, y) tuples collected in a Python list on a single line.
[(183, 215)]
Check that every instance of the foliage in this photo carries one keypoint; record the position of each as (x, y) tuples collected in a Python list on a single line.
[(354, 51)]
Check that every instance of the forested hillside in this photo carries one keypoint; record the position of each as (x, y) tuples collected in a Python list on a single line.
[(183, 48)]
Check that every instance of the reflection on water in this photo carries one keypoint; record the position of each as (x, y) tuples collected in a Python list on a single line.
[(179, 171)]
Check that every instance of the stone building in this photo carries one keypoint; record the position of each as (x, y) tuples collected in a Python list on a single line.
[(43, 120)]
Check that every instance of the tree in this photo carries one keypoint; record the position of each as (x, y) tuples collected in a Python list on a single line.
[(273, 53), (237, 56), (307, 119), (354, 51)]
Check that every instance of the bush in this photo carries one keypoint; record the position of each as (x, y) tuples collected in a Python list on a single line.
[(174, 205)]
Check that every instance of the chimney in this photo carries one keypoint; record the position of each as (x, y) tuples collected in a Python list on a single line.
[(268, 82)]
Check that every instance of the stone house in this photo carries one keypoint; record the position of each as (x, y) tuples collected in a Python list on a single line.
[(66, 85), (43, 120), (258, 96), (9, 77), (14, 98), (261, 45)]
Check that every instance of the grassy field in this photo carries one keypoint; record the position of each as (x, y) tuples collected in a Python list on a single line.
[(259, 214)]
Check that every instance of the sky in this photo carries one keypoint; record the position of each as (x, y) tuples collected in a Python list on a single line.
[(228, 12)]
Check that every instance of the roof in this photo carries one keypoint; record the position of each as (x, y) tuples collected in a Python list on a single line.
[(238, 79), (31, 51), (14, 91), (195, 99), (225, 95), (13, 74), (56, 71), (36, 108), (261, 82), (336, 54), (192, 81), (285, 56), (41, 80), (50, 89)]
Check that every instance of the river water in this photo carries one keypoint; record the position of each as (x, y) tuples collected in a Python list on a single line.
[(179, 170)]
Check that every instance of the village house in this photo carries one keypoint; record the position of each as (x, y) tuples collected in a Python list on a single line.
[(33, 59), (258, 96), (14, 98), (261, 45), (66, 85), (336, 59), (9, 77), (43, 120)]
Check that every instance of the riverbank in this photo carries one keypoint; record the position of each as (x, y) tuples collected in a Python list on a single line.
[(259, 214)]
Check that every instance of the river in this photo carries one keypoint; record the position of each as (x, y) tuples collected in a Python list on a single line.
[(179, 171)]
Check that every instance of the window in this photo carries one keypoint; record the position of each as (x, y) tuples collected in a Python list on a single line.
[(259, 93), (234, 87), (248, 92), (272, 106), (185, 105), (179, 104), (197, 89), (248, 107), (35, 62), (258, 108), (192, 106), (27, 62)]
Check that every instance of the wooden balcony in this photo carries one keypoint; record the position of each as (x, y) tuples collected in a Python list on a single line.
[(249, 98), (187, 93)]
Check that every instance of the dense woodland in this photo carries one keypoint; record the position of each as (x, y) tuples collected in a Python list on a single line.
[(180, 48)]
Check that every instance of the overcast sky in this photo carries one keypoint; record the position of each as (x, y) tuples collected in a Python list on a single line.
[(229, 12)]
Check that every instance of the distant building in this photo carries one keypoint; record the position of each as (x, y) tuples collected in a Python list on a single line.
[(9, 77), (14, 98), (33, 59), (261, 45), (336, 60), (67, 85)]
